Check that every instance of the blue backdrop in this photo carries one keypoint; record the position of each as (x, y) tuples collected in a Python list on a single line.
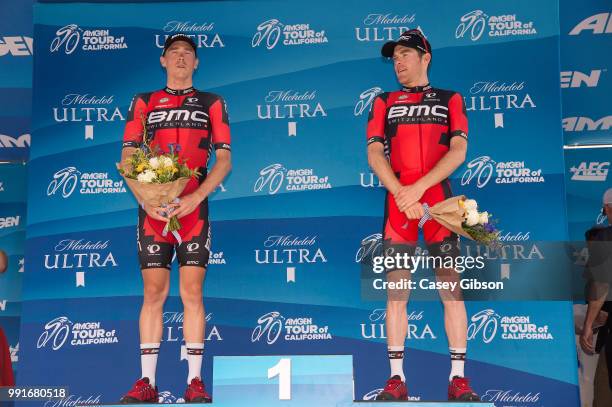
[(298, 82)]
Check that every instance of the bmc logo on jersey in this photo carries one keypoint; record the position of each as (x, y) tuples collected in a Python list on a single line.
[(16, 46), (417, 111), (593, 171), (575, 79), (599, 24), (177, 114)]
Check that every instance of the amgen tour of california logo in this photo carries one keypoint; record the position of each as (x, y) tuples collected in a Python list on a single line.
[(487, 323), (60, 330), (275, 177), (66, 180), (69, 37), (270, 32), (365, 100), (482, 170), (475, 23), (271, 325)]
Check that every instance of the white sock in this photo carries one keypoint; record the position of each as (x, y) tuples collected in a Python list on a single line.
[(148, 360), (396, 360), (457, 362), (195, 351)]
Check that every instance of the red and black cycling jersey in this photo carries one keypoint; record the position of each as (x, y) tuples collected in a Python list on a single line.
[(416, 126), (189, 121)]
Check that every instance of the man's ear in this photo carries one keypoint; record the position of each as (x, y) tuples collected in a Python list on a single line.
[(197, 62), (162, 61)]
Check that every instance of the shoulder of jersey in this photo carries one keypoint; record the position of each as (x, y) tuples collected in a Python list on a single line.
[(443, 92), (208, 95)]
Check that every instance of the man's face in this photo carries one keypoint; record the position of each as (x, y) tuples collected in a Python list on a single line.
[(408, 64), (180, 60)]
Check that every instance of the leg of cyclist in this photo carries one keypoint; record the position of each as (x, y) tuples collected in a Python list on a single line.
[(441, 242), (193, 256), (398, 240)]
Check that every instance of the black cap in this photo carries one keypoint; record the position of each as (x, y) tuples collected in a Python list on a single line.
[(179, 37), (411, 38)]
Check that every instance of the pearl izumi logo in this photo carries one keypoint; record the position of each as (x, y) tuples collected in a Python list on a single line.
[(88, 109), (383, 27), (476, 23), (365, 100), (374, 328), (481, 170), (270, 32), (486, 325), (71, 254), (202, 33), (71, 37), (275, 178), (592, 171), (61, 330), (272, 326), (66, 181)]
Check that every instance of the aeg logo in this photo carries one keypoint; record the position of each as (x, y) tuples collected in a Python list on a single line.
[(176, 115), (417, 111), (17, 46), (575, 79), (593, 171)]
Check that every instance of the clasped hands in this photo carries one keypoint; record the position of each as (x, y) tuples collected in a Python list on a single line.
[(407, 200)]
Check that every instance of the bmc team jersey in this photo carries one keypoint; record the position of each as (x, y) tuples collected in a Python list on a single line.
[(194, 122), (416, 126)]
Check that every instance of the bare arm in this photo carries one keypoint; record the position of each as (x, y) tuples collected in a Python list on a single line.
[(218, 172), (408, 195), (126, 153), (381, 167), (447, 164), (598, 291)]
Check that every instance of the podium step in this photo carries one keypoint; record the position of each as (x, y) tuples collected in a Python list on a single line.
[(295, 381)]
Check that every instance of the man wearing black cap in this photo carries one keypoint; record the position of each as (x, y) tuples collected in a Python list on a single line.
[(417, 137), (189, 122)]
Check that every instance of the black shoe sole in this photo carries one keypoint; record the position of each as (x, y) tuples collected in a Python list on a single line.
[(200, 400), (387, 397), (132, 400)]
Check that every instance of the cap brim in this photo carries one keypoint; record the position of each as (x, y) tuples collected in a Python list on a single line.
[(169, 44), (388, 48)]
